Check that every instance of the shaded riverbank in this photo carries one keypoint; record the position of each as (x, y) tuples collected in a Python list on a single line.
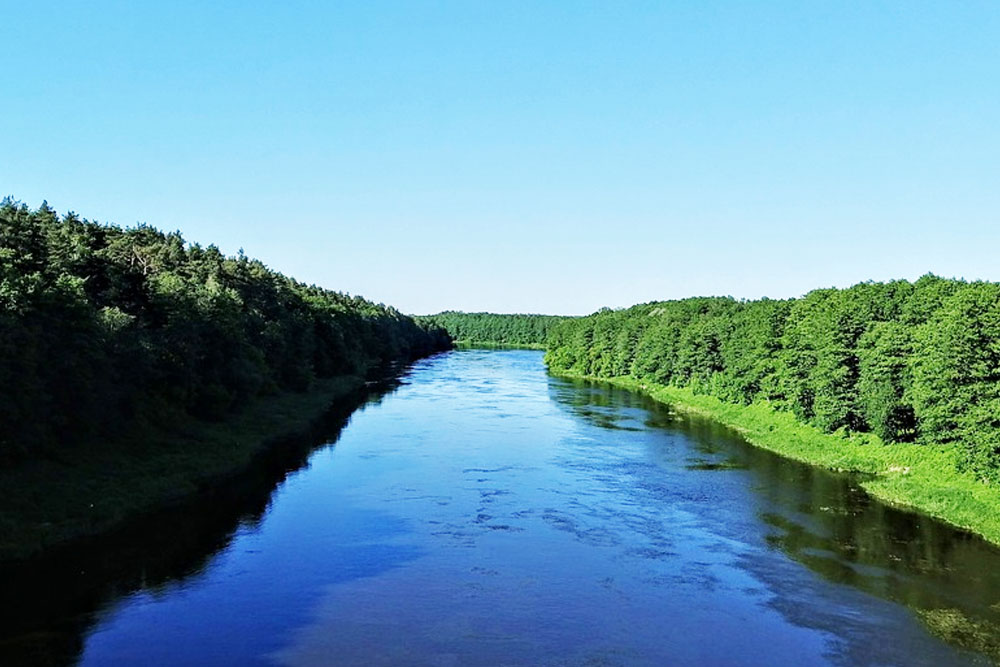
[(918, 477), (95, 489), (50, 602)]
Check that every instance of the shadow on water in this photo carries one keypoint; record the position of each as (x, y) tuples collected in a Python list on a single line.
[(949, 578), (50, 604), (821, 521)]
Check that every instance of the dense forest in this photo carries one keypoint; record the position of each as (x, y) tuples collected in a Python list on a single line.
[(495, 329), (102, 326), (910, 362)]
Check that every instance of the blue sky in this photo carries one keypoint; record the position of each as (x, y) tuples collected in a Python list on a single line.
[(523, 156)]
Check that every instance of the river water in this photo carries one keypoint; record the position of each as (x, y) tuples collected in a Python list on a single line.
[(485, 513)]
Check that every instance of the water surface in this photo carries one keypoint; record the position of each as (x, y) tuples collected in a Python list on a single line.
[(485, 513)]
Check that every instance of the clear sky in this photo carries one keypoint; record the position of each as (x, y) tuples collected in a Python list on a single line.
[(523, 156)]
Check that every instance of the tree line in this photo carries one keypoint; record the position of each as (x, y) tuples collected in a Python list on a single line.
[(102, 327), (909, 362), (494, 328)]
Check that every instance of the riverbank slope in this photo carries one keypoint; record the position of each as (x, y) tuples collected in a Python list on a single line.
[(137, 367), (92, 490)]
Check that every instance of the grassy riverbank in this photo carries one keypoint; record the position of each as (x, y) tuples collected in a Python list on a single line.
[(920, 477), (90, 490)]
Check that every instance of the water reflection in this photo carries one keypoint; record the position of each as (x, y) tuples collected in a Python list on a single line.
[(825, 521), (48, 605), (490, 514)]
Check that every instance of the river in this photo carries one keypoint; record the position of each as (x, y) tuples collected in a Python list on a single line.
[(483, 512)]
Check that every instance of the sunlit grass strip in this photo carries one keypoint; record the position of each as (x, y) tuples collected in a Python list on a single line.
[(912, 476)]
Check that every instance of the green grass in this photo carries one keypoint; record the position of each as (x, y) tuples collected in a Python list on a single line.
[(91, 490), (917, 477)]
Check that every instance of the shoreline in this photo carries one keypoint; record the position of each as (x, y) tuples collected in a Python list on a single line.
[(917, 478), (98, 490)]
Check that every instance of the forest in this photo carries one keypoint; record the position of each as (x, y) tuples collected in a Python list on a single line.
[(908, 362), (495, 329), (103, 327)]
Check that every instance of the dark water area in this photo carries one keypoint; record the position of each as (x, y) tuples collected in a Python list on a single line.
[(484, 513)]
